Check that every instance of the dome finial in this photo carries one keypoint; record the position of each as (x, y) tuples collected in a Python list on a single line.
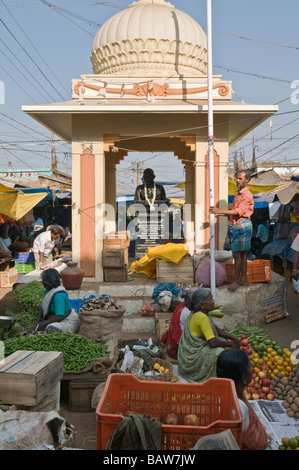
[(150, 38), (151, 2)]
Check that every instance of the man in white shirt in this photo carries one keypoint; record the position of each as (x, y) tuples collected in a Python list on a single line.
[(295, 247), (43, 246)]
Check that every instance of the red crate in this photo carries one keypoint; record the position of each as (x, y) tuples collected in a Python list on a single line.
[(214, 401), (257, 271)]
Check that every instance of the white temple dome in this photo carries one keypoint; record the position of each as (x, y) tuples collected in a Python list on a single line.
[(150, 37)]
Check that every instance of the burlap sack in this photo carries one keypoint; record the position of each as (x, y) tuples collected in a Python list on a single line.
[(100, 325)]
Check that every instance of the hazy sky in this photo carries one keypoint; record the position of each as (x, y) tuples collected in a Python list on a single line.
[(43, 45)]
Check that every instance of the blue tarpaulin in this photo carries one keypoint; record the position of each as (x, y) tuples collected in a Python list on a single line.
[(51, 194)]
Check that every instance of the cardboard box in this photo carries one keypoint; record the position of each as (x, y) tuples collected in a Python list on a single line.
[(7, 278)]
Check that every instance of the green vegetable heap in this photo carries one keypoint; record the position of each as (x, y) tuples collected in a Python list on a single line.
[(78, 351), (29, 297), (259, 341)]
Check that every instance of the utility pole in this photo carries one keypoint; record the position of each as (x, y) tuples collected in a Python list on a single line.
[(235, 161), (253, 163), (138, 171), (54, 160)]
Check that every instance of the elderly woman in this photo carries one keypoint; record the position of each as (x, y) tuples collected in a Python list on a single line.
[(201, 341), (55, 313), (172, 336), (235, 365)]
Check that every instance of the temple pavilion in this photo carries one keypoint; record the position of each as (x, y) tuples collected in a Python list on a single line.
[(147, 93)]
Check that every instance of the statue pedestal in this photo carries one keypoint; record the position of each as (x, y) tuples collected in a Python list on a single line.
[(151, 231)]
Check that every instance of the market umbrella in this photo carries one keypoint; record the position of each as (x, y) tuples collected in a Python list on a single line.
[(15, 204)]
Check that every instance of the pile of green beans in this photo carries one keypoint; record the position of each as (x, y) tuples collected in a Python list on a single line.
[(78, 351), (250, 331)]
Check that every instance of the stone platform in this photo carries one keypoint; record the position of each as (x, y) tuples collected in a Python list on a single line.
[(247, 305)]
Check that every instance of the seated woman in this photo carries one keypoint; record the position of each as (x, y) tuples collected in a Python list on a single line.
[(55, 313), (200, 342), (235, 365), (172, 336)]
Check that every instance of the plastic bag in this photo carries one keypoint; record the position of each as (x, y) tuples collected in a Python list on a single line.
[(223, 255), (147, 311), (164, 299), (295, 286), (136, 367), (203, 274), (128, 359)]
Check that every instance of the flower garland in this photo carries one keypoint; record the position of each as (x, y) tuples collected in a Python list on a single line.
[(152, 201)]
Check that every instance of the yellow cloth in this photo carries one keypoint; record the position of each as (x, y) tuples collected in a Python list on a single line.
[(253, 188), (200, 324), (15, 204), (5, 188), (294, 218), (173, 252), (232, 187)]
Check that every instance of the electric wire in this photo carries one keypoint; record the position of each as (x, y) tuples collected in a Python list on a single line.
[(28, 71), (6, 27), (54, 8), (36, 50), (258, 40)]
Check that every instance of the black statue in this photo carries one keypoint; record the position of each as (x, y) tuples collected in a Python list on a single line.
[(150, 192)]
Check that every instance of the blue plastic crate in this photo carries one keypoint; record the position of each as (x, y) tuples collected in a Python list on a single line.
[(23, 258)]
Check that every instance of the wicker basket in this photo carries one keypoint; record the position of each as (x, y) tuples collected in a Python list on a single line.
[(164, 377), (4, 254)]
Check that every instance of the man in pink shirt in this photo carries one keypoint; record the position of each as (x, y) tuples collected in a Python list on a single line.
[(238, 237)]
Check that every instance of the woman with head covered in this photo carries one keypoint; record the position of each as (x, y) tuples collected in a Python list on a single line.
[(202, 341), (172, 335), (55, 312)]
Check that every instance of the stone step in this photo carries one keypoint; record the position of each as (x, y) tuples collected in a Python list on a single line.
[(138, 324), (133, 291), (132, 298), (132, 305), (81, 294), (119, 290)]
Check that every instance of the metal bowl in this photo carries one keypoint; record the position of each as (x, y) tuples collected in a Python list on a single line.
[(7, 322)]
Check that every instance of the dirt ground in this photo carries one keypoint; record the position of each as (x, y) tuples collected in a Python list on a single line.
[(283, 331)]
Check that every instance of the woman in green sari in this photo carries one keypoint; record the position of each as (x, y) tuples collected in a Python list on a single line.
[(201, 342)]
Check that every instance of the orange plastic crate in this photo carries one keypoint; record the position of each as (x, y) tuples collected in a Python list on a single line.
[(214, 401), (257, 271)]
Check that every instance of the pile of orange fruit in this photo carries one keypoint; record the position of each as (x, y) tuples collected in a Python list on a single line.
[(160, 368), (275, 362)]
